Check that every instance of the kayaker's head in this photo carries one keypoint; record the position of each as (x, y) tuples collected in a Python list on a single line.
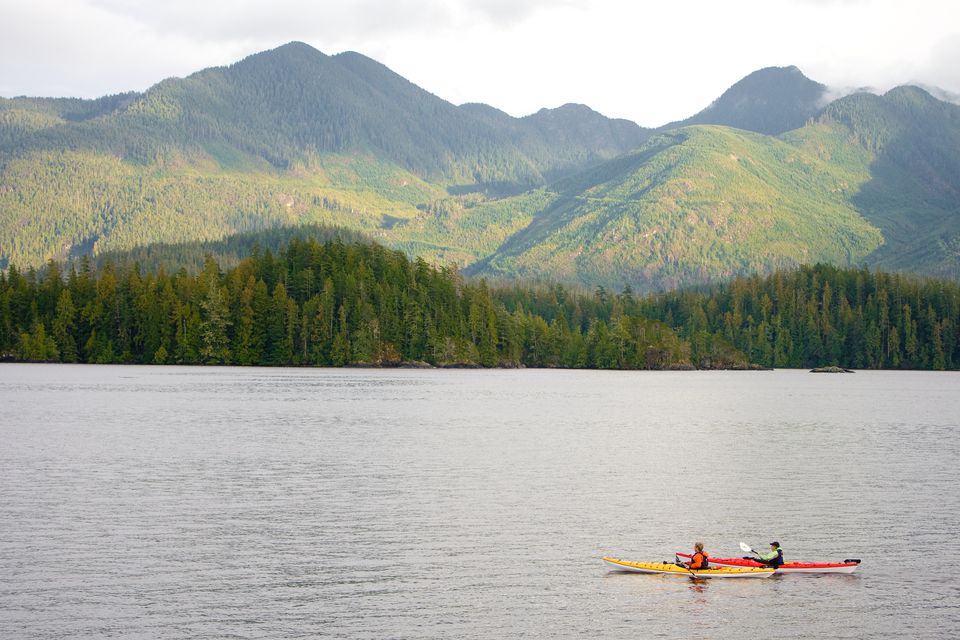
[(698, 546), (775, 545)]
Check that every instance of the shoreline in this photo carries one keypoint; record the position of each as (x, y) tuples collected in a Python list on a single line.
[(412, 365)]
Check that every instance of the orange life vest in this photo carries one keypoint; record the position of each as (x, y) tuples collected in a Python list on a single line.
[(700, 560)]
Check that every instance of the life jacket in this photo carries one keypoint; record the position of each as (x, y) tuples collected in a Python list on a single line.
[(704, 560), (778, 561)]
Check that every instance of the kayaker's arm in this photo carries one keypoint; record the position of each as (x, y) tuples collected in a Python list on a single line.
[(767, 557)]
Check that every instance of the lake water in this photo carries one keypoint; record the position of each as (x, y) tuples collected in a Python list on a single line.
[(182, 502)]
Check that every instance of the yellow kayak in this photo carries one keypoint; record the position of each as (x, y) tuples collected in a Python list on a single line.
[(673, 569)]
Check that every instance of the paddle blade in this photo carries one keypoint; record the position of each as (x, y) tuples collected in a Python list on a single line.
[(745, 547)]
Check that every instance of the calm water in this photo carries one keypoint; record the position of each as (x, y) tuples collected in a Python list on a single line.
[(168, 502)]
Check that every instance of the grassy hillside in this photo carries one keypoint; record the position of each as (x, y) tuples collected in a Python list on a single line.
[(57, 204), (695, 205)]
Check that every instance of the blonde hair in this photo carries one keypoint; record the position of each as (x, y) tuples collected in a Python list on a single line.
[(698, 546)]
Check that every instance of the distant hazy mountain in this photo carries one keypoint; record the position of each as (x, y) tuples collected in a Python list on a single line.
[(572, 136), (772, 101)]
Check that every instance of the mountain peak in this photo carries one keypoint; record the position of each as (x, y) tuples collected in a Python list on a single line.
[(912, 93), (568, 108), (790, 71), (292, 53), (294, 47), (771, 100)]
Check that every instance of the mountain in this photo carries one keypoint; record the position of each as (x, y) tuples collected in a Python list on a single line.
[(767, 177), (283, 104), (771, 101), (283, 137), (289, 104), (909, 143), (872, 180), (694, 205), (572, 135)]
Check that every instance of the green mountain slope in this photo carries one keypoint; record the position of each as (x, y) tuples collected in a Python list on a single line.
[(873, 180), (692, 206), (66, 203), (284, 137), (909, 142), (289, 104), (292, 103), (294, 137)]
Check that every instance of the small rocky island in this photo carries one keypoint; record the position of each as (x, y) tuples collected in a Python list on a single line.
[(831, 370)]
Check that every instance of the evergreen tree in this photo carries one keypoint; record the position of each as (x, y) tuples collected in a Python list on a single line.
[(64, 327), (215, 343)]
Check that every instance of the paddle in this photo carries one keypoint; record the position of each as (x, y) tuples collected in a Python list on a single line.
[(676, 561)]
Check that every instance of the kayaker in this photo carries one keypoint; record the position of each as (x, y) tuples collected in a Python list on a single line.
[(699, 560), (773, 558)]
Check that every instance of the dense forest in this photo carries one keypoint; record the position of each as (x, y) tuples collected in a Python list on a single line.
[(337, 302), (314, 303), (824, 315)]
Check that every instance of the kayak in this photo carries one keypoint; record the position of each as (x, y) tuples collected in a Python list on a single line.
[(847, 566), (670, 568)]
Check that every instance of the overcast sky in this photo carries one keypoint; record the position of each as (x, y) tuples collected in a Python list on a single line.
[(651, 62)]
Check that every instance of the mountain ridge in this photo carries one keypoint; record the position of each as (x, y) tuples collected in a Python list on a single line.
[(331, 104), (294, 136)]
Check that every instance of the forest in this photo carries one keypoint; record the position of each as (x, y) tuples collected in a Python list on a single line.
[(321, 304), (822, 315), (335, 302)]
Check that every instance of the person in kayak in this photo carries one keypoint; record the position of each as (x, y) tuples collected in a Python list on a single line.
[(699, 560), (773, 558)]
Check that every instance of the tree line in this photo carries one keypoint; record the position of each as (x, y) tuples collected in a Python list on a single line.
[(317, 303), (824, 315), (337, 302)]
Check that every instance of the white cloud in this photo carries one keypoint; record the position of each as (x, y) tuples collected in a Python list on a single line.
[(283, 20), (944, 64), (651, 62)]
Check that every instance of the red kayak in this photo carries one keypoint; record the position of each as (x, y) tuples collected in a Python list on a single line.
[(847, 566)]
